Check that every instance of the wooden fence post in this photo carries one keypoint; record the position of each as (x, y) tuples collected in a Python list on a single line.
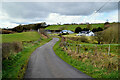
[(79, 47), (75, 47), (109, 50)]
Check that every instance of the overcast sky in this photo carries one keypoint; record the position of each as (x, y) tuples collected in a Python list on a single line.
[(15, 13)]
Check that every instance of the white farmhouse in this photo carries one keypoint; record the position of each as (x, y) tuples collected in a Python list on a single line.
[(85, 33)]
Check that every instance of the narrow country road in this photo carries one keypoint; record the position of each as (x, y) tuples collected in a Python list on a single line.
[(43, 63)]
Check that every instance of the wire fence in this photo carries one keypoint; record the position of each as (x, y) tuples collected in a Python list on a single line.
[(91, 48), (98, 55)]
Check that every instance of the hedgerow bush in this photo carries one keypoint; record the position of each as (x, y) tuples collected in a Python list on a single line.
[(7, 32), (10, 48)]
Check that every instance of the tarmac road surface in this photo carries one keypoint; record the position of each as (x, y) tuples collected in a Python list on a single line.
[(43, 63)]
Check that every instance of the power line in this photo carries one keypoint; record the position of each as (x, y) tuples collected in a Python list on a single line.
[(99, 9), (102, 6)]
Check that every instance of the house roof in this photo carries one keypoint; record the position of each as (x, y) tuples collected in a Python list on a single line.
[(85, 32)]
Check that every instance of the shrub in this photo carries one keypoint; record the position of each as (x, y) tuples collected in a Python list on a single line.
[(10, 48), (6, 32), (99, 37), (78, 29)]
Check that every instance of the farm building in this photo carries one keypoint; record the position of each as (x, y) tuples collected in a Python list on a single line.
[(85, 33)]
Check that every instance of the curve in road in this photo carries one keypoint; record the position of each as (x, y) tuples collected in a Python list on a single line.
[(43, 63)]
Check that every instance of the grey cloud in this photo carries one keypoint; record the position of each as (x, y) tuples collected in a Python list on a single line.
[(24, 10), (83, 8), (31, 10)]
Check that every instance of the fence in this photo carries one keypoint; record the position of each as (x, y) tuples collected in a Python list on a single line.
[(91, 48), (99, 55)]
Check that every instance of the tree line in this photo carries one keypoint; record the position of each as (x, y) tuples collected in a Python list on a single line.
[(22, 28), (79, 29)]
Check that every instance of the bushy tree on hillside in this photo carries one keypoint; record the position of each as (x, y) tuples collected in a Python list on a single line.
[(94, 30), (99, 29), (111, 34), (19, 28), (85, 29), (106, 25), (78, 29)]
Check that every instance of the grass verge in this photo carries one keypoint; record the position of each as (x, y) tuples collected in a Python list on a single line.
[(87, 68), (15, 66)]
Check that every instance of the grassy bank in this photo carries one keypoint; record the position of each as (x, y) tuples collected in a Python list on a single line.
[(18, 37), (85, 67), (13, 43), (15, 65)]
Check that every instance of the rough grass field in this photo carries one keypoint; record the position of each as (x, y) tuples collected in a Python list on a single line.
[(18, 37), (73, 27), (71, 35), (90, 45), (83, 63)]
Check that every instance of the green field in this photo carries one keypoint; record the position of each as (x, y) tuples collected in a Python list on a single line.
[(16, 65), (72, 27), (18, 37)]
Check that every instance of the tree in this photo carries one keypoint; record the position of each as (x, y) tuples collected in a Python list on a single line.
[(94, 30), (106, 25), (39, 25), (85, 29), (99, 29), (43, 25), (19, 28), (78, 29)]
